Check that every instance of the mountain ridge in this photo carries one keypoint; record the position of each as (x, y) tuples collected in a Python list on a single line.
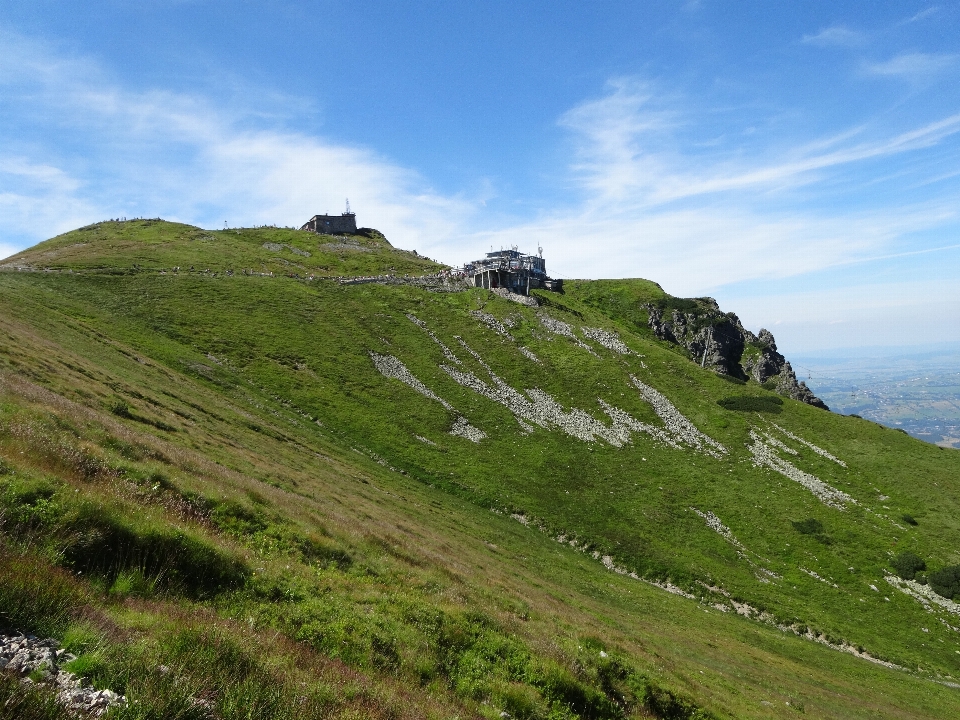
[(606, 453)]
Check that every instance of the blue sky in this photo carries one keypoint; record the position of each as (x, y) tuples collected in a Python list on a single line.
[(799, 162)]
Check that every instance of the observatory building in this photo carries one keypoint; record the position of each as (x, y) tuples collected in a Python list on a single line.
[(342, 224), (512, 270)]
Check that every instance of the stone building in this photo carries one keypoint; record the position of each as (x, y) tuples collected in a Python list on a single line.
[(343, 224)]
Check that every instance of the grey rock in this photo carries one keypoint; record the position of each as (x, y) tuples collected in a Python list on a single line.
[(718, 341)]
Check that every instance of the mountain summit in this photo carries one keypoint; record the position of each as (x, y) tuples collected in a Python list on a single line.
[(266, 472)]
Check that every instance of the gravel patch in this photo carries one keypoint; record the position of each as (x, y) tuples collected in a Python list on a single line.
[(608, 339), (558, 327), (447, 352), (817, 450), (462, 428), (814, 575), (765, 456), (924, 594), (390, 367), (277, 247), (528, 353), (677, 425), (25, 655), (527, 300), (334, 247), (491, 322)]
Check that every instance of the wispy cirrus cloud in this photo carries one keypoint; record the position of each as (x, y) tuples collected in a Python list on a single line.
[(922, 15), (189, 158), (649, 198), (627, 152), (914, 67), (835, 36)]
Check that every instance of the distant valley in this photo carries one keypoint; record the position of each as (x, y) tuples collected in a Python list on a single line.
[(918, 393)]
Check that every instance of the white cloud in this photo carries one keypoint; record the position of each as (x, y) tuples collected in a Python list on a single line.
[(184, 157), (914, 66), (37, 200), (627, 152), (835, 35), (894, 314), (650, 204), (922, 15)]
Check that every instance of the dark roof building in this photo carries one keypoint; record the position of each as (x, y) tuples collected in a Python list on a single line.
[(343, 224), (512, 270)]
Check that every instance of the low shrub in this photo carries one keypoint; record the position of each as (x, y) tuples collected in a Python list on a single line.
[(909, 519), (812, 527), (946, 582), (752, 403), (99, 542), (131, 556), (908, 564)]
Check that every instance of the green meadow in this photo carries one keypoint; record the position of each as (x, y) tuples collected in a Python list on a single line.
[(211, 463)]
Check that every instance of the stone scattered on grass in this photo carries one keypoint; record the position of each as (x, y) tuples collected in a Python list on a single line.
[(390, 367), (462, 428), (558, 327), (26, 656), (677, 425), (817, 450), (608, 339), (491, 322), (765, 456), (447, 352)]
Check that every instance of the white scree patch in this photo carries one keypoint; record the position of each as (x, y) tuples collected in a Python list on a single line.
[(765, 456), (391, 367), (558, 327), (462, 428), (677, 424), (447, 352), (608, 339), (817, 450), (491, 322)]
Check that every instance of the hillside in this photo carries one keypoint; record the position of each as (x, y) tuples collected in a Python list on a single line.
[(312, 477)]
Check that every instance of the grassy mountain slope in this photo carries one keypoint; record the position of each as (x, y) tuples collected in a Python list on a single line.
[(197, 460)]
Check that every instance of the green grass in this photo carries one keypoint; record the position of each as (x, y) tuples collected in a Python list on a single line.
[(198, 448)]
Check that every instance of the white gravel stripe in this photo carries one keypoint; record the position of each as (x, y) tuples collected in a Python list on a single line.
[(765, 455), (390, 367), (527, 352), (464, 429), (447, 352), (923, 593), (491, 322), (558, 327), (677, 424), (817, 450), (608, 339)]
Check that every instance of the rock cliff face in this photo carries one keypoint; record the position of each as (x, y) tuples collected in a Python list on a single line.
[(718, 340)]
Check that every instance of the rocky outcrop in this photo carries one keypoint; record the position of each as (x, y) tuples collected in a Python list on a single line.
[(714, 339), (718, 341), (39, 661)]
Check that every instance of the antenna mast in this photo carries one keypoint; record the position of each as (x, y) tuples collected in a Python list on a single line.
[(348, 212)]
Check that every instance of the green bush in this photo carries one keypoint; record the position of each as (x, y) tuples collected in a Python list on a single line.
[(908, 564), (812, 527), (909, 519), (101, 543), (752, 403), (946, 582)]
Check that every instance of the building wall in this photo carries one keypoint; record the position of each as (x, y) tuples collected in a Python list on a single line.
[(332, 224)]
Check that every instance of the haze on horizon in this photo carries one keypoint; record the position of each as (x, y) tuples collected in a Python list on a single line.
[(800, 163)]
